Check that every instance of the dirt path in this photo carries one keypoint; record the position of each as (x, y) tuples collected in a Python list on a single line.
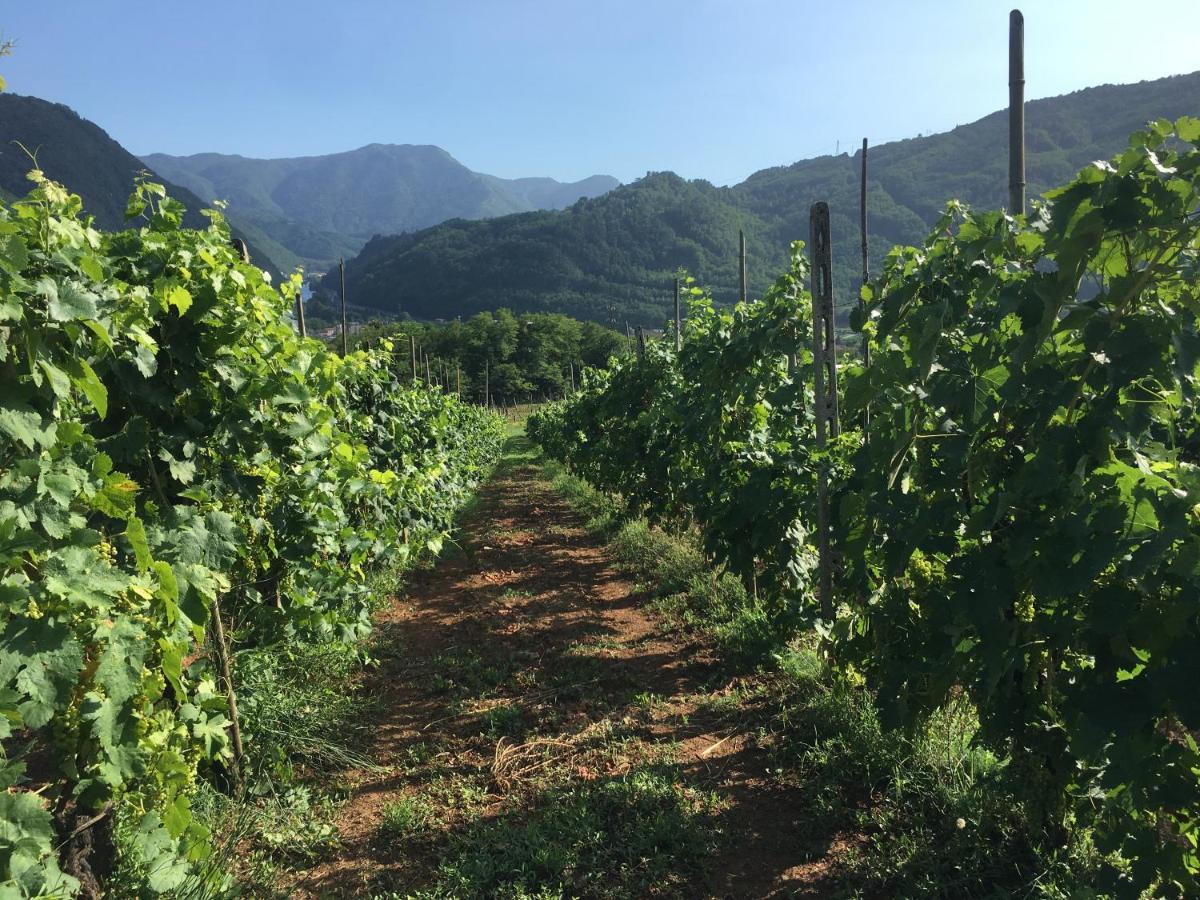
[(530, 715)]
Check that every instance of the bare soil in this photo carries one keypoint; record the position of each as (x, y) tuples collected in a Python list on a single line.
[(524, 658)]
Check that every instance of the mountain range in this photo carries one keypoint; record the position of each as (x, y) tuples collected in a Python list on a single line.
[(435, 240), (313, 209), (303, 211), (612, 258)]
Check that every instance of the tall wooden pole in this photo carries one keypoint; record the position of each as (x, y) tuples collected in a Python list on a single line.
[(824, 340), (742, 264), (641, 343), (866, 276), (1016, 113), (862, 225), (487, 383), (428, 371), (342, 278), (825, 386), (300, 317), (458, 381), (678, 321), (412, 347)]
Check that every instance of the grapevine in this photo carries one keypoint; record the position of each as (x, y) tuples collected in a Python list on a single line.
[(1019, 526), (167, 441)]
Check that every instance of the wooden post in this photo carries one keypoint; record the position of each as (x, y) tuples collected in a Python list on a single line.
[(641, 343), (862, 225), (825, 386), (300, 317), (678, 321), (235, 728), (487, 383), (866, 277), (345, 333), (824, 341), (458, 381), (1016, 113), (412, 347), (428, 372), (742, 264)]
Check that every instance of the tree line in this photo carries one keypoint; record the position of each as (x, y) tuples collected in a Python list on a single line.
[(516, 358)]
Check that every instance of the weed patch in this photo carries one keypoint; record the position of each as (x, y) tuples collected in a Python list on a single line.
[(640, 835), (405, 817)]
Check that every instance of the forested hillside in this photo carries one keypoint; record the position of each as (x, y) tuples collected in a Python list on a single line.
[(323, 207), (606, 259), (81, 155), (611, 259)]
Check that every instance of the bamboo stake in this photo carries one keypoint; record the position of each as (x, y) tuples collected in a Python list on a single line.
[(1016, 113)]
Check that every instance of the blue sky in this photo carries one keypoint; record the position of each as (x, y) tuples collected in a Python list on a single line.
[(566, 88)]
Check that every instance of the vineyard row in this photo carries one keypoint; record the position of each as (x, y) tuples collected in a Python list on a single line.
[(1013, 498), (182, 476)]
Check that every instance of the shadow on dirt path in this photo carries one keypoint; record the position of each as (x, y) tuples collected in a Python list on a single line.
[(524, 666)]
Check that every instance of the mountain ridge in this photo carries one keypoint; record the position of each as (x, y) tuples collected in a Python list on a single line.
[(612, 258), (321, 207)]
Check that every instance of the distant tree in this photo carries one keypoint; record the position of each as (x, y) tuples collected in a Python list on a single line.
[(531, 354)]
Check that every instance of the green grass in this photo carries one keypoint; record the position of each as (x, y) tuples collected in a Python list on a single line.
[(506, 720), (466, 673), (632, 836), (404, 818)]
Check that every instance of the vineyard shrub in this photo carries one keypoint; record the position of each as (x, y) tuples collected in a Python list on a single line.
[(1019, 522), (168, 444)]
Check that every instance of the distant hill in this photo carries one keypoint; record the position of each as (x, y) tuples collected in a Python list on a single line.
[(323, 207), (80, 155), (605, 259), (611, 259)]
